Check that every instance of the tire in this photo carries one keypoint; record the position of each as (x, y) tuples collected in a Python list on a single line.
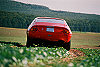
[(67, 45), (29, 42)]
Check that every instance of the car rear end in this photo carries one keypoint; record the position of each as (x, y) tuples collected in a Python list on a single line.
[(51, 30)]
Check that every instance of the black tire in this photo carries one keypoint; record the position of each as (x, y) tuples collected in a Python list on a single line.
[(67, 45), (29, 42)]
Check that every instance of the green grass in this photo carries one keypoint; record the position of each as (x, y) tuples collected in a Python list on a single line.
[(24, 56), (13, 56), (13, 35), (85, 38), (78, 38)]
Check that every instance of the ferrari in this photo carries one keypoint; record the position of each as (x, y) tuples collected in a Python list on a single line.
[(47, 30)]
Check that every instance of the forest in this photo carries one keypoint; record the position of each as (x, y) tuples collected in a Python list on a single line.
[(15, 19), (20, 15)]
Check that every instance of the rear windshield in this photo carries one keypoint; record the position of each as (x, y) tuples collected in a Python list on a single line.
[(50, 20)]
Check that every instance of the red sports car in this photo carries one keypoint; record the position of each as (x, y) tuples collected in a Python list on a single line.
[(49, 30)]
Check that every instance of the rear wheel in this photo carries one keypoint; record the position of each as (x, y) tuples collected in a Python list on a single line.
[(67, 45), (29, 42)]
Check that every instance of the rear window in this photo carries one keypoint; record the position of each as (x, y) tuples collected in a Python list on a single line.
[(50, 20)]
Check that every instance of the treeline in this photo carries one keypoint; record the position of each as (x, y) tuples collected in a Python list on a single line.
[(19, 15), (19, 20), (15, 19), (84, 25)]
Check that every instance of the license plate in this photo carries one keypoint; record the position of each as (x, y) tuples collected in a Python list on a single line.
[(50, 29)]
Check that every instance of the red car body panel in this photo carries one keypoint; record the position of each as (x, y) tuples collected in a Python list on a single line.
[(60, 31)]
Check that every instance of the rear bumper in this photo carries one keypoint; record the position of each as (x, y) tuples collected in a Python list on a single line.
[(46, 43), (49, 36)]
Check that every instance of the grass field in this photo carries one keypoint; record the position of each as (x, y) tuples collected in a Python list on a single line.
[(13, 56), (78, 38), (13, 35)]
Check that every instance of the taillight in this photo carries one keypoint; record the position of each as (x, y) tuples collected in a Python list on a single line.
[(34, 29), (65, 31)]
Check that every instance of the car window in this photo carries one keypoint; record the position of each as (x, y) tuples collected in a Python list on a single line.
[(50, 20)]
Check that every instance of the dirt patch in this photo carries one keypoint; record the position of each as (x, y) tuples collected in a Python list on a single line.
[(76, 53), (73, 54), (86, 46), (15, 44)]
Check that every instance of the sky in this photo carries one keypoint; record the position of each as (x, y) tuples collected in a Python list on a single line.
[(78, 6)]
